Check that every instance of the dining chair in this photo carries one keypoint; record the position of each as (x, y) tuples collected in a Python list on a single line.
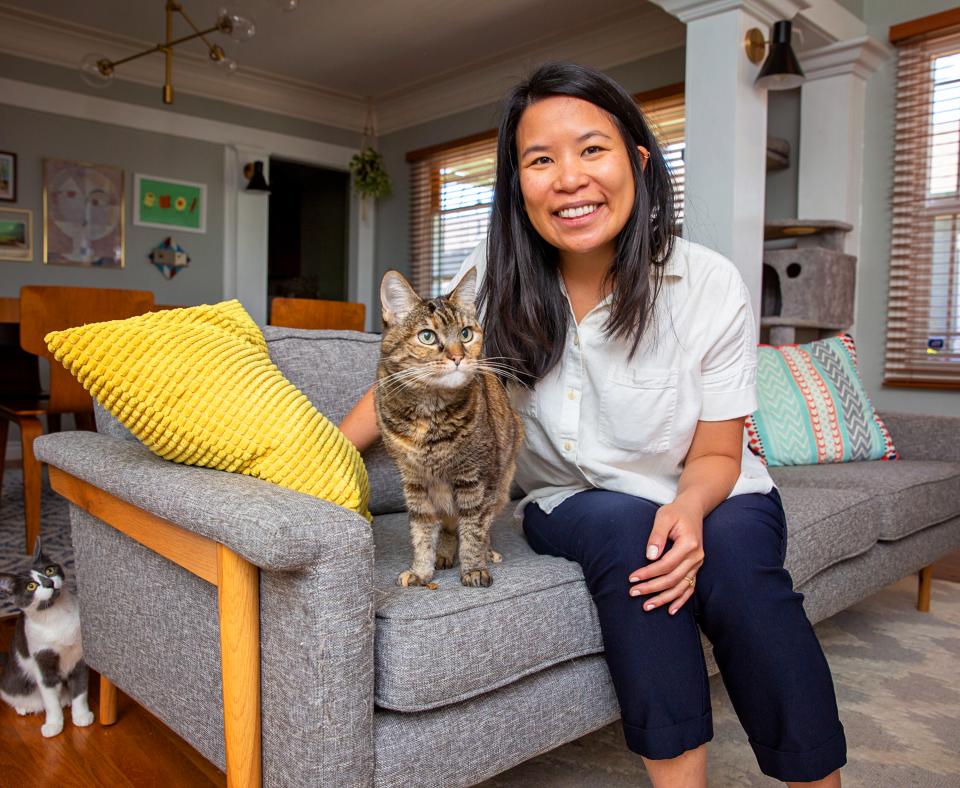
[(315, 313), (44, 309)]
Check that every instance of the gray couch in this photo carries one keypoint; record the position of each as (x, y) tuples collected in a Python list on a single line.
[(364, 683)]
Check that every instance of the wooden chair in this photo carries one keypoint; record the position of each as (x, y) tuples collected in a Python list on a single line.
[(313, 313), (42, 310)]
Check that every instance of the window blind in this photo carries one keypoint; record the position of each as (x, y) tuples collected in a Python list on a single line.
[(666, 116), (451, 193), (923, 318)]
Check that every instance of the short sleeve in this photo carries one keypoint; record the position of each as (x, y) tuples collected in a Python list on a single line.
[(728, 370)]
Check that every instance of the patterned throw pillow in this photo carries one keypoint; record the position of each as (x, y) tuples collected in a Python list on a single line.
[(813, 408), (197, 386)]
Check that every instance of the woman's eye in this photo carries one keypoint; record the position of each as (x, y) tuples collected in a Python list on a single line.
[(467, 334), (593, 149), (31, 586), (51, 570), (427, 337), (541, 160)]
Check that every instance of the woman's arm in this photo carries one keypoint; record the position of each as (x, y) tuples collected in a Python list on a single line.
[(711, 469), (360, 424)]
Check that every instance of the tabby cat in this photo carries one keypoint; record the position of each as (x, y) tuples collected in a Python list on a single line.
[(44, 670), (446, 420)]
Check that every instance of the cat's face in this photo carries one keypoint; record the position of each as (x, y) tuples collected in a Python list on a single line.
[(437, 342), (32, 591)]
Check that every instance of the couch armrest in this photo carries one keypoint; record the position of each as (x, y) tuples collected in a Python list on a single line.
[(924, 436), (271, 526)]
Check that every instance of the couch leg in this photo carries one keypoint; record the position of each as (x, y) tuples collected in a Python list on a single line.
[(923, 596), (108, 701)]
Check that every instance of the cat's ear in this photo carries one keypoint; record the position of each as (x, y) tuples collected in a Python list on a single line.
[(7, 584), (465, 293), (397, 298)]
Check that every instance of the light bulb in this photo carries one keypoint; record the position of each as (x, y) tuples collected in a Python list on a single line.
[(227, 65), (236, 25), (95, 70), (287, 5)]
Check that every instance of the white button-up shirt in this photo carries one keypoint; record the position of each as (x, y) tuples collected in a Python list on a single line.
[(601, 420)]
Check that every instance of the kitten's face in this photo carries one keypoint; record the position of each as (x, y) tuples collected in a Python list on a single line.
[(34, 590), (437, 342)]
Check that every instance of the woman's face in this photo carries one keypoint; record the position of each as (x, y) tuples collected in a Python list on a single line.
[(575, 175)]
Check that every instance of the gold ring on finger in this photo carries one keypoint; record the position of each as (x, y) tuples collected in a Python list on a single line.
[(690, 580)]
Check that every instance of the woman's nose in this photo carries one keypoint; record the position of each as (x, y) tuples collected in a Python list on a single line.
[(570, 177)]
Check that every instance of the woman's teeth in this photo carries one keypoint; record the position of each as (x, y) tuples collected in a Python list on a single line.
[(573, 213)]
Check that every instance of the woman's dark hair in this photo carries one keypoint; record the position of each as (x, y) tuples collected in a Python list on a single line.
[(525, 311)]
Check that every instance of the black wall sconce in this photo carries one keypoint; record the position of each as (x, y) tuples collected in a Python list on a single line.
[(781, 70), (253, 172)]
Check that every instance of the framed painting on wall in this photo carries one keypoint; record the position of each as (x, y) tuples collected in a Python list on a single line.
[(82, 214), (16, 234), (8, 176), (169, 204)]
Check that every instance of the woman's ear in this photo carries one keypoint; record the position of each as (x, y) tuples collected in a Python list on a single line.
[(644, 157)]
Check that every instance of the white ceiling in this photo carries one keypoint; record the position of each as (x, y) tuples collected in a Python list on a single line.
[(382, 48)]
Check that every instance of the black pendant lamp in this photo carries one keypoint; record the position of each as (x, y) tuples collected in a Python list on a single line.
[(781, 70), (254, 174)]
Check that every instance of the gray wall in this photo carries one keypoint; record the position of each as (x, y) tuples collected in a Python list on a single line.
[(393, 217), (874, 266)]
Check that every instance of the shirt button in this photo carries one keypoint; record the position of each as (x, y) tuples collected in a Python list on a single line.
[(571, 394), (576, 341), (567, 446)]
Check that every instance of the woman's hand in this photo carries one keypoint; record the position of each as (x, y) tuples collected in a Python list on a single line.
[(682, 523)]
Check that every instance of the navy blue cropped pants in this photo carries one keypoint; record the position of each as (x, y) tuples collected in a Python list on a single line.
[(769, 658)]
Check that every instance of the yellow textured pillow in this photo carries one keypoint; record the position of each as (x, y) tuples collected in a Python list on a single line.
[(197, 386)]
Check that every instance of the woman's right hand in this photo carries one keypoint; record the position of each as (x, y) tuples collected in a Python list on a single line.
[(360, 424)]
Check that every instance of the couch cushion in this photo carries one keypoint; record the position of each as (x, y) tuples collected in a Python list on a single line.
[(334, 369), (912, 494), (438, 647), (825, 527)]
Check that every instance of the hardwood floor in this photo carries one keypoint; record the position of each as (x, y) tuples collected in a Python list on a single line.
[(138, 750)]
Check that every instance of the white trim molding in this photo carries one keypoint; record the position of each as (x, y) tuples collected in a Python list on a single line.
[(766, 11), (859, 56)]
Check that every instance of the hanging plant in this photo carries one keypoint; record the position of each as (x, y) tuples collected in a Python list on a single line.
[(370, 178)]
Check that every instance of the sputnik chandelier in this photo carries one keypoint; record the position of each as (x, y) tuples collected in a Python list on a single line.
[(98, 70)]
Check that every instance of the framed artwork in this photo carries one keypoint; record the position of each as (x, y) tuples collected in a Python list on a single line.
[(16, 234), (82, 214), (170, 205), (8, 176)]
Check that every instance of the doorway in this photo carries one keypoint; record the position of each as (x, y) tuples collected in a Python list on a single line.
[(308, 231)]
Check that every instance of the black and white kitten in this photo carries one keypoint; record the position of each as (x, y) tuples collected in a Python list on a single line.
[(44, 670)]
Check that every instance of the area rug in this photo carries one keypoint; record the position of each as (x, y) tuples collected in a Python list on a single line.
[(896, 673)]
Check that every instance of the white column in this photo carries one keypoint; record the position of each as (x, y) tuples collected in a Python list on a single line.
[(246, 220), (831, 132), (726, 128)]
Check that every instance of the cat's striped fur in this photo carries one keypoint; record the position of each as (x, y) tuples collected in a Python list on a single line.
[(445, 418)]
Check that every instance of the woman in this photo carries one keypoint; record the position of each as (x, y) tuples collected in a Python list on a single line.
[(639, 349)]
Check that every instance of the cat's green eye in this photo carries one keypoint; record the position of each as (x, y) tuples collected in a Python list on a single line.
[(31, 586), (50, 571), (427, 337), (466, 334)]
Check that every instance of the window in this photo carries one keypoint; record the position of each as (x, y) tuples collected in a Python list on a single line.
[(923, 331), (451, 191)]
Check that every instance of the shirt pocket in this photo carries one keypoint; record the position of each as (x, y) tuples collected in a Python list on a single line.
[(638, 408)]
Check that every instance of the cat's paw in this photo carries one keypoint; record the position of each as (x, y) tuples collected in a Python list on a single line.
[(22, 711), (409, 578), (478, 578), (82, 718), (445, 561), (49, 729), (495, 557)]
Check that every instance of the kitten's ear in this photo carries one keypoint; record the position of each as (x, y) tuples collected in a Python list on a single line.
[(465, 293), (396, 297), (7, 584)]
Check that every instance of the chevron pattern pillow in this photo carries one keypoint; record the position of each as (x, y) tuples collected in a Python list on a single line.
[(813, 408)]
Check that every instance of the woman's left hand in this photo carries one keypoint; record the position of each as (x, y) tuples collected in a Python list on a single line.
[(683, 525)]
